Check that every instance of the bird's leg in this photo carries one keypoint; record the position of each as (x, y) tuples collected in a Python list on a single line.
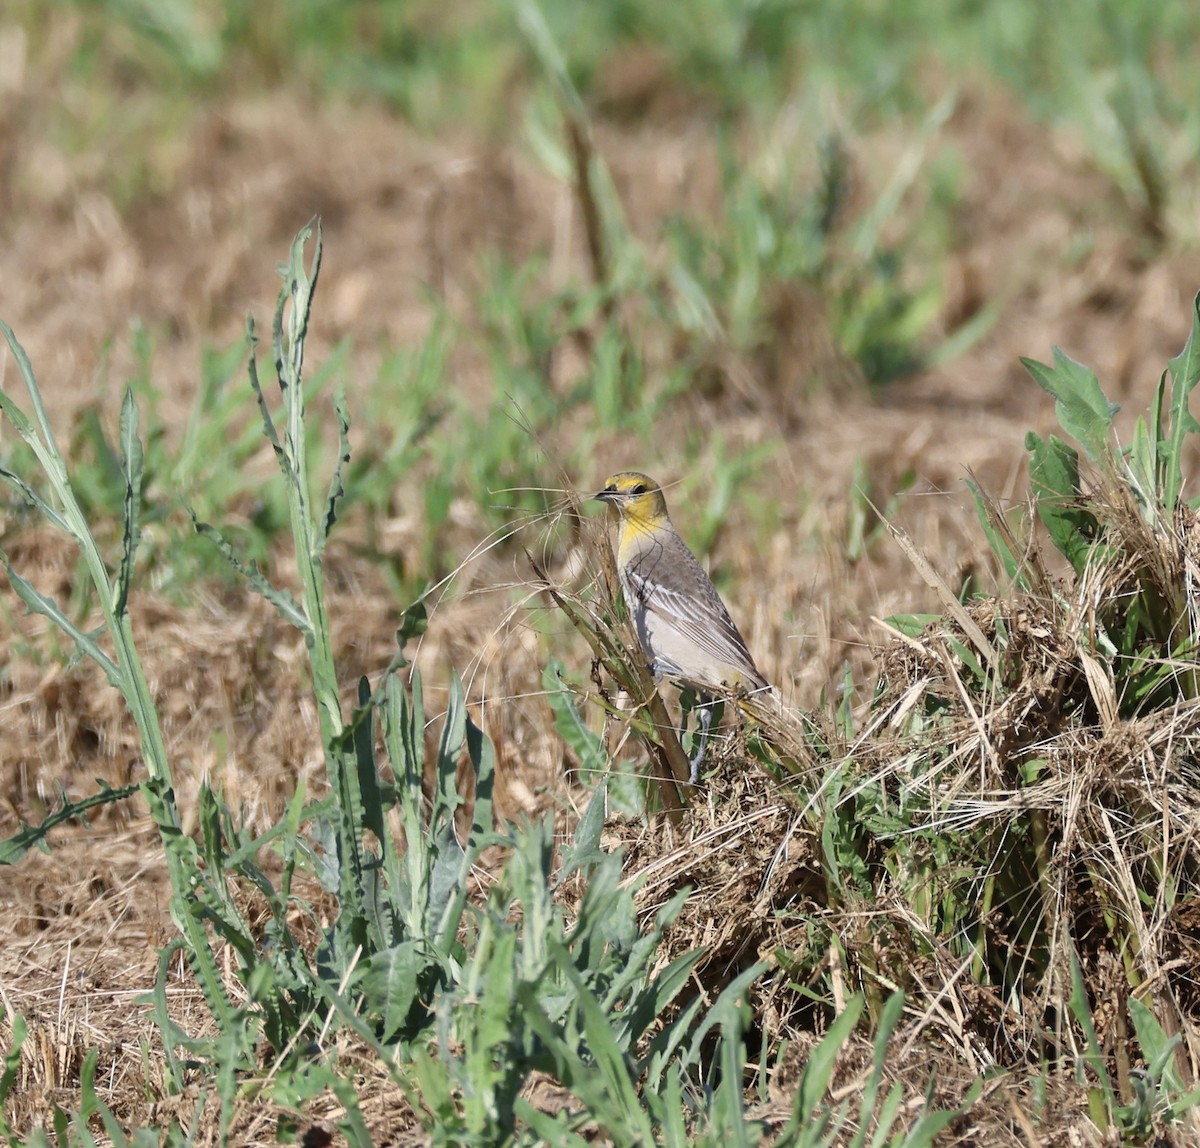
[(705, 712)]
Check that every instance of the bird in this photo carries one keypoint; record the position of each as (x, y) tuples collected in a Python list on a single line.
[(682, 624)]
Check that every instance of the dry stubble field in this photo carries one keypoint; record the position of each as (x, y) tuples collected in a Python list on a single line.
[(409, 224)]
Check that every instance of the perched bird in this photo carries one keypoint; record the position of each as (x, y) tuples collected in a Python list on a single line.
[(683, 626)]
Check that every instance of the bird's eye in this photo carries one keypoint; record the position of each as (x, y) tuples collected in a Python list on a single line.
[(640, 488)]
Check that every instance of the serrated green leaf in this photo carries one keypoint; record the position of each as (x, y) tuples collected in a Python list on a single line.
[(362, 732), (446, 884), (585, 848), (413, 623), (13, 848), (551, 1128), (1143, 461), (287, 606), (43, 446), (1159, 1052), (1083, 410), (652, 1004), (586, 745), (483, 759), (389, 983), (39, 603), (1054, 475), (14, 414), (269, 431), (337, 488), (1185, 373), (34, 499), (604, 1080)]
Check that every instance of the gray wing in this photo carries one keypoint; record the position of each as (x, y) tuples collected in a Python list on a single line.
[(699, 617)]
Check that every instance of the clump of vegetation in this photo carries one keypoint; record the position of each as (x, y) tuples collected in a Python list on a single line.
[(1037, 798), (1005, 835)]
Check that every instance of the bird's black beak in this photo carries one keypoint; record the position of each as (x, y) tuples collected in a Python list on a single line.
[(608, 494)]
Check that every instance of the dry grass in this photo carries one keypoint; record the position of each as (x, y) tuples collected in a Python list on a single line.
[(80, 928)]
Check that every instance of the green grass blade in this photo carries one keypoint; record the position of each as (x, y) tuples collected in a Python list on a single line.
[(729, 1109), (730, 998), (819, 1070), (885, 1117), (893, 1009), (925, 1132), (12, 1066), (1104, 1102), (132, 464)]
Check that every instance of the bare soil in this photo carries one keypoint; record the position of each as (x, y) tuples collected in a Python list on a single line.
[(80, 928)]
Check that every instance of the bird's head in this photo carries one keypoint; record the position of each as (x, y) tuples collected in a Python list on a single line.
[(636, 497)]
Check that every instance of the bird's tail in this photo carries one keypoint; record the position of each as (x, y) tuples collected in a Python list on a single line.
[(782, 728)]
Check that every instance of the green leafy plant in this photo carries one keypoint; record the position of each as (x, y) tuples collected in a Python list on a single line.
[(1016, 867), (1158, 1092), (397, 914), (111, 581)]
